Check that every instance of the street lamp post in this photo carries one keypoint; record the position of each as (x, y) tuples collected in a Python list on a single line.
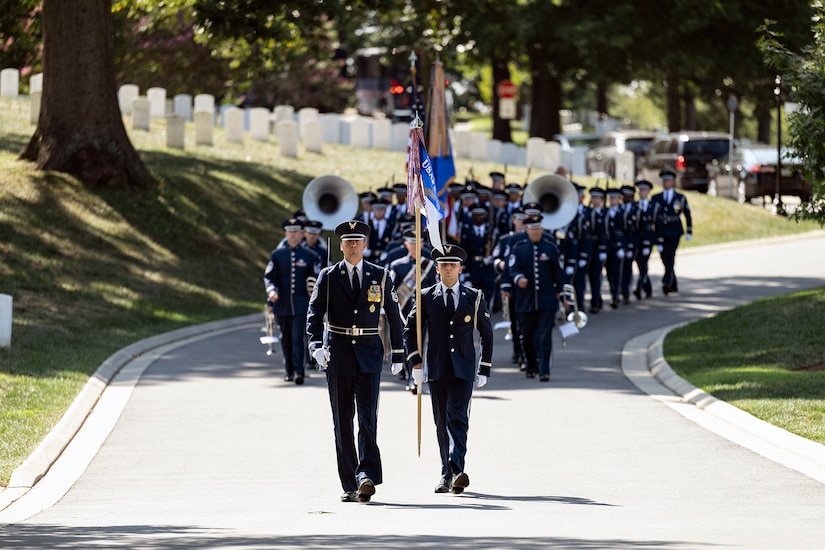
[(733, 103), (777, 199)]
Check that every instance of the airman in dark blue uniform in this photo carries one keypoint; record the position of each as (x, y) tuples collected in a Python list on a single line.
[(672, 205), (598, 247), (289, 278), (630, 214), (450, 313), (351, 295), (647, 214), (577, 248), (476, 240), (616, 244), (538, 280)]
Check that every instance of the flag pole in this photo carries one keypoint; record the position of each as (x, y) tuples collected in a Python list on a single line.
[(417, 122)]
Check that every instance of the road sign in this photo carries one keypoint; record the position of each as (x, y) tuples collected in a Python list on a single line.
[(506, 89), (507, 108)]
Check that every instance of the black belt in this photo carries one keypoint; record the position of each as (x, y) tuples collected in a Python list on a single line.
[(354, 331)]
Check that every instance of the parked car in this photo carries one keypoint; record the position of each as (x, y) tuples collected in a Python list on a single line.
[(574, 147), (754, 174), (602, 156), (687, 154)]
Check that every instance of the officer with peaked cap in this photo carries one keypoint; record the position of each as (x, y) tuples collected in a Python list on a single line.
[(598, 246), (630, 223), (534, 268), (616, 244), (289, 279), (351, 295), (381, 232), (312, 239), (577, 248), (672, 206), (647, 214), (365, 198), (450, 313)]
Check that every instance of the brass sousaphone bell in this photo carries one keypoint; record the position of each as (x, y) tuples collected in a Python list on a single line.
[(330, 200), (558, 198)]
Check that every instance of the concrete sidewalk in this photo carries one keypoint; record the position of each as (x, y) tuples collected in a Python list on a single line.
[(212, 448)]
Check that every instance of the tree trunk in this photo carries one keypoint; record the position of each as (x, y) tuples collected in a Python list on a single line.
[(80, 130), (601, 98), (764, 118), (674, 122), (690, 112), (546, 99), (501, 127)]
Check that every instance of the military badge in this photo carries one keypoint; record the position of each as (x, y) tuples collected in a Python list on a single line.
[(372, 308), (374, 293), (467, 319)]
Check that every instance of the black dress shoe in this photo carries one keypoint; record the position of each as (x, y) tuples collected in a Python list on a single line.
[(530, 374), (638, 294), (460, 482), (544, 378), (614, 304), (648, 294), (349, 496), (593, 310), (665, 290), (299, 380), (288, 378), (626, 301), (443, 486), (365, 490)]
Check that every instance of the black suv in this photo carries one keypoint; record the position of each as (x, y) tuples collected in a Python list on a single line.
[(686, 153)]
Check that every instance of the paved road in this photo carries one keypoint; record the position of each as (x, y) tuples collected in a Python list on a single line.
[(214, 449)]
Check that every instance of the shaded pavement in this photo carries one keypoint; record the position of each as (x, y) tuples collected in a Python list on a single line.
[(213, 449)]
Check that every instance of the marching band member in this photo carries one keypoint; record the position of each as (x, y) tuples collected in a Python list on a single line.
[(289, 278)]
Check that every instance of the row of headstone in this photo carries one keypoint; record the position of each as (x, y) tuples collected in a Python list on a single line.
[(307, 126)]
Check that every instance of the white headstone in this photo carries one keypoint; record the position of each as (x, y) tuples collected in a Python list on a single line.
[(552, 155), (345, 127), (382, 133), (204, 123), (494, 151), (175, 131), (34, 107), (331, 127), (284, 112), (5, 320), (287, 132), (462, 144), (535, 152), (183, 106), (304, 115), (400, 135), (36, 83), (626, 167), (205, 102), (233, 125), (360, 132), (478, 145), (125, 96), (259, 123), (509, 154), (157, 98), (312, 136), (9, 83), (223, 109), (141, 114)]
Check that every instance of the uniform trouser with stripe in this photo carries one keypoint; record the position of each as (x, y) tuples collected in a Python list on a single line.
[(451, 412), (293, 332), (348, 395)]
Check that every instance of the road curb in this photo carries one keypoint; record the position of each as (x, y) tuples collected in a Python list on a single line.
[(644, 352), (25, 476)]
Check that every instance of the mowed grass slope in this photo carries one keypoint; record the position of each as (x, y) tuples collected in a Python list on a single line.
[(92, 270)]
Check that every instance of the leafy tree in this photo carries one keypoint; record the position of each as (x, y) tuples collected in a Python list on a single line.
[(80, 130), (20, 35), (803, 77)]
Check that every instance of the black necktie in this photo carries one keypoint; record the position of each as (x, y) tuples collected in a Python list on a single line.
[(356, 283), (450, 303)]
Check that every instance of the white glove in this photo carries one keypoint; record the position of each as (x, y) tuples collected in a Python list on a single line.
[(569, 270), (645, 252), (321, 356), (481, 380), (602, 256), (418, 376), (383, 256), (397, 367), (582, 263), (629, 254), (487, 260), (620, 253), (688, 237), (660, 248)]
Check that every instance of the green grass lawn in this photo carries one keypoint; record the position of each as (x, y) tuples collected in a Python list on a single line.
[(92, 270), (767, 358)]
